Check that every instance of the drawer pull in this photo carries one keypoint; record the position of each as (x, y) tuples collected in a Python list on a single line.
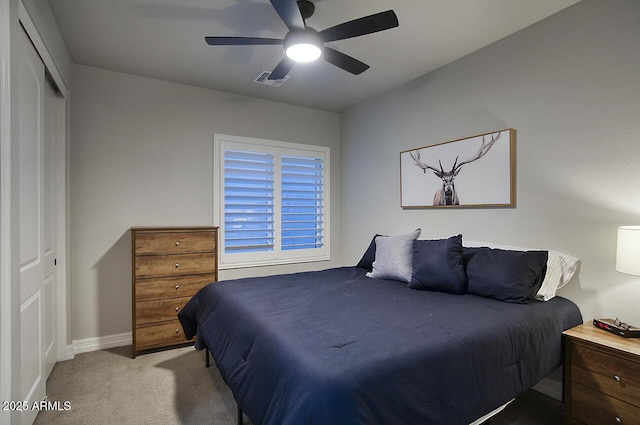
[(177, 331), (177, 265), (177, 286), (177, 243), (616, 378), (177, 308), (618, 420)]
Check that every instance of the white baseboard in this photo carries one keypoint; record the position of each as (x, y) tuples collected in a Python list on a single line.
[(101, 342), (68, 353)]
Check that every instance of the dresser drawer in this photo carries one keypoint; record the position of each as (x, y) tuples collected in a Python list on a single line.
[(607, 373), (160, 335), (595, 408), (170, 287), (159, 243), (174, 265), (159, 310)]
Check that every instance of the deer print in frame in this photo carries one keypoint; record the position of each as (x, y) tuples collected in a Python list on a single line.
[(487, 179)]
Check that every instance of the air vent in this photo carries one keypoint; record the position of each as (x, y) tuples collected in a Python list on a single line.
[(262, 78)]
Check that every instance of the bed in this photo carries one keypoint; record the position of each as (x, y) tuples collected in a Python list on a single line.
[(342, 348)]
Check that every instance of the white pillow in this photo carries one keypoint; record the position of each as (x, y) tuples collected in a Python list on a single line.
[(560, 268), (394, 257)]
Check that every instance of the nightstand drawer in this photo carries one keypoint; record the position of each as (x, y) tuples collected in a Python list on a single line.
[(159, 310), (174, 265), (159, 243), (607, 373), (595, 408), (160, 334), (169, 287)]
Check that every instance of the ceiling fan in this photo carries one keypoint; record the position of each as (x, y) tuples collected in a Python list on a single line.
[(304, 44)]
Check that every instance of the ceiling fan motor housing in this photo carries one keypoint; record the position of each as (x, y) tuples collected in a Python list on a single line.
[(306, 8)]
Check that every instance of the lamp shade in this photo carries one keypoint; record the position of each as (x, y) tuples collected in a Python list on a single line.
[(628, 255)]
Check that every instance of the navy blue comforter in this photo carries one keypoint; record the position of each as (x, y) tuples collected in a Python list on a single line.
[(335, 347)]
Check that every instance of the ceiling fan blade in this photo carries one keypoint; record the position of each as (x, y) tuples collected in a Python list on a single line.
[(282, 69), (241, 41), (343, 61), (362, 26), (289, 13)]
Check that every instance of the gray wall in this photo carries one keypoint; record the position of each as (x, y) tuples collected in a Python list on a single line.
[(570, 86), (142, 155)]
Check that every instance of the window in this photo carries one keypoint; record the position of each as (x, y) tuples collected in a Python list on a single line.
[(273, 201)]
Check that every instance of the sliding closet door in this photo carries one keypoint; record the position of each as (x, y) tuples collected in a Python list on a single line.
[(53, 120), (33, 221)]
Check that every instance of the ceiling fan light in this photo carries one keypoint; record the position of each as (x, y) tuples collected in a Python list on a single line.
[(303, 46), (303, 52)]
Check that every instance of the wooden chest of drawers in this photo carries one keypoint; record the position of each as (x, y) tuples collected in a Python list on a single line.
[(169, 265), (602, 377)]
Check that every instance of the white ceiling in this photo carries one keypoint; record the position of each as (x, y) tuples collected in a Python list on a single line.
[(164, 39)]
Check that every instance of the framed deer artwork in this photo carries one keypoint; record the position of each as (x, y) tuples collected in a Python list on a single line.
[(476, 171)]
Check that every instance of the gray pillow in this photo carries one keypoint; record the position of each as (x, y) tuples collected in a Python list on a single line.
[(394, 256)]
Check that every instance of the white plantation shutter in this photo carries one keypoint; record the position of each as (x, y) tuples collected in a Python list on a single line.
[(302, 202), (274, 207), (248, 201)]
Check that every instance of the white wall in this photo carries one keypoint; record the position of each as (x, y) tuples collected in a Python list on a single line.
[(142, 155), (570, 86)]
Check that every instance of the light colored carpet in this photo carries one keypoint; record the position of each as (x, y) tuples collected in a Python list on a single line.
[(167, 387), (174, 387)]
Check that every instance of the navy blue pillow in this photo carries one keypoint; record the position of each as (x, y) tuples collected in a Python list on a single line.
[(366, 262), (512, 276), (438, 265)]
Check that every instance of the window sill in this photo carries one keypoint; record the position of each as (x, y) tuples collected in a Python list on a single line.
[(231, 266)]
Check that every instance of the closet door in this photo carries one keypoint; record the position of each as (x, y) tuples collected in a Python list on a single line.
[(32, 227), (52, 121)]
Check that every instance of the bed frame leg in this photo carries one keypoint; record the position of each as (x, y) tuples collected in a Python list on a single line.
[(240, 419), (206, 353)]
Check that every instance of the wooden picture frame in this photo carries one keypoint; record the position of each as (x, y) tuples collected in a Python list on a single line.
[(476, 171)]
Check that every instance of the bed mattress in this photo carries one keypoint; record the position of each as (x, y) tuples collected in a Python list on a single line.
[(335, 347)]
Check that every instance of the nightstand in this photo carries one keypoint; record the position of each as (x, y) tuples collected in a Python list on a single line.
[(601, 377)]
